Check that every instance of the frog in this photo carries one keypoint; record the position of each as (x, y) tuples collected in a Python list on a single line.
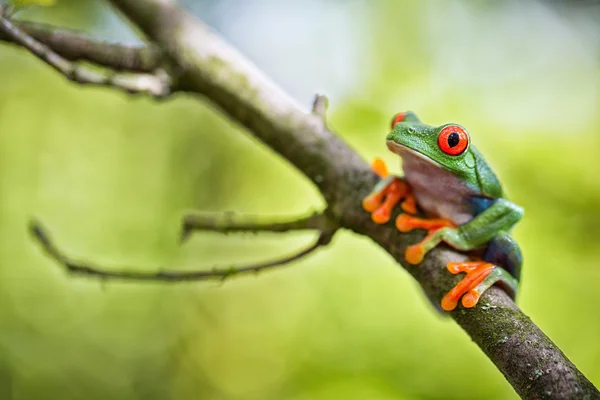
[(462, 200)]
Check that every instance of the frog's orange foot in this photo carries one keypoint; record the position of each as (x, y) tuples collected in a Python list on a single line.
[(405, 223), (381, 202), (472, 286), (386, 195)]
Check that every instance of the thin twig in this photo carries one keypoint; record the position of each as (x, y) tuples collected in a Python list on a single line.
[(77, 46), (195, 221), (81, 268), (157, 85)]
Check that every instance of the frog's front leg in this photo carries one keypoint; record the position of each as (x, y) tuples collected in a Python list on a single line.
[(502, 253), (387, 194), (499, 217)]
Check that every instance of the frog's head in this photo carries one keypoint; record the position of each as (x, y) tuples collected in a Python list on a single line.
[(447, 146)]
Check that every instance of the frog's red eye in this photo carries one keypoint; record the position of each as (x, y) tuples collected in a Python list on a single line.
[(398, 118), (453, 140)]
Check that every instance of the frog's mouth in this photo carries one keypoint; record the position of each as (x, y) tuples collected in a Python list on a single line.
[(404, 151)]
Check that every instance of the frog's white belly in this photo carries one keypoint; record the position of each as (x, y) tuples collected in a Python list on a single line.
[(438, 192)]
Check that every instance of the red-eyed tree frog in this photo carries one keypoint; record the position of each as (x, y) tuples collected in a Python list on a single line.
[(450, 181)]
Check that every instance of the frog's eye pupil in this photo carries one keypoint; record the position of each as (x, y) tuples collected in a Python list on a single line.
[(453, 139)]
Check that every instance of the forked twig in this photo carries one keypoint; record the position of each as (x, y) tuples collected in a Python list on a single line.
[(157, 85), (81, 268)]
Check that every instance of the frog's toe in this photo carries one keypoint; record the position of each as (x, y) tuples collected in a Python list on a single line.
[(414, 254), (409, 205), (372, 202), (406, 223), (381, 215), (466, 266), (380, 168)]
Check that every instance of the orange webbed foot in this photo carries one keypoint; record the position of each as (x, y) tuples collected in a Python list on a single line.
[(480, 277), (477, 272), (386, 195), (405, 223)]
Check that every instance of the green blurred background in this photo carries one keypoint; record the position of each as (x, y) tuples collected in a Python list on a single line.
[(111, 175)]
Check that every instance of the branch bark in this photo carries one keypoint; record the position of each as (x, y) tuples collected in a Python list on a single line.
[(529, 360)]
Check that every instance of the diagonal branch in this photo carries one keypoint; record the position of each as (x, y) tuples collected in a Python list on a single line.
[(157, 85), (81, 268), (211, 67), (75, 46)]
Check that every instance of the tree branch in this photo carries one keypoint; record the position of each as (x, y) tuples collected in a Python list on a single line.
[(529, 360), (157, 85), (128, 274), (75, 46), (195, 221)]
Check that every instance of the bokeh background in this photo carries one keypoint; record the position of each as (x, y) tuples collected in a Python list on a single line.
[(111, 175)]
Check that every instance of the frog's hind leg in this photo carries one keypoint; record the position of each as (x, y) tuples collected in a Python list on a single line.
[(497, 275), (501, 265), (481, 275), (504, 251)]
